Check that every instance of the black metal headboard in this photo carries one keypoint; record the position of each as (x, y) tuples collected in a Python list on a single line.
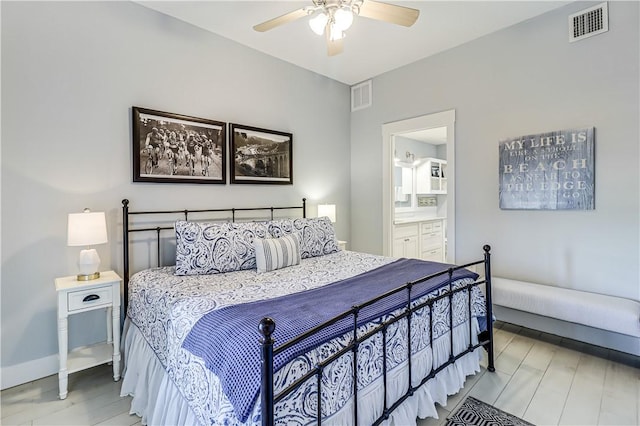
[(126, 229)]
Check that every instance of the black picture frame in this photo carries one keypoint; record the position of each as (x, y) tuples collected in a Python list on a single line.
[(260, 156), (176, 148)]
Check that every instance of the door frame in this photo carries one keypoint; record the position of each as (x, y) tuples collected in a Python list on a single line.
[(389, 131)]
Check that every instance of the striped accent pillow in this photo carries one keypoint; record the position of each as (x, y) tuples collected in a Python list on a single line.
[(277, 253)]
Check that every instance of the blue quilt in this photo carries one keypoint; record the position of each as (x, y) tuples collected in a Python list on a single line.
[(227, 338)]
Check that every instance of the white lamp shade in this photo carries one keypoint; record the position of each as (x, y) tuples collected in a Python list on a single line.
[(328, 210), (318, 22), (86, 229), (343, 18)]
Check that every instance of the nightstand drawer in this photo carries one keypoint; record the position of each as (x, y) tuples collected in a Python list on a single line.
[(82, 299)]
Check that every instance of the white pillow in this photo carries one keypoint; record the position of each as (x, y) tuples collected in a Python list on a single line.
[(277, 253)]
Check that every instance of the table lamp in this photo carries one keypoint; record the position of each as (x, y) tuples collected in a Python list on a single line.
[(328, 210), (87, 229)]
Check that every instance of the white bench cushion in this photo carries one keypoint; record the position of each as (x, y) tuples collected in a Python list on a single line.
[(595, 310)]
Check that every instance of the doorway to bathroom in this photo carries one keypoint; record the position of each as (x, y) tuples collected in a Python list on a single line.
[(419, 187)]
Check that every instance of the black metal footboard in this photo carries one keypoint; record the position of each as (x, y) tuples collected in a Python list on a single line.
[(267, 326)]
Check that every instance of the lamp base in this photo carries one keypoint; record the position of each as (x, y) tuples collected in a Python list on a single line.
[(88, 277), (88, 263)]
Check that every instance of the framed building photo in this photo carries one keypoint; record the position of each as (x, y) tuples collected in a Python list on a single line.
[(260, 155), (176, 148)]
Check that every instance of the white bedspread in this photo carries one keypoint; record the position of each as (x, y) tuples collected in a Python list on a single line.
[(163, 308)]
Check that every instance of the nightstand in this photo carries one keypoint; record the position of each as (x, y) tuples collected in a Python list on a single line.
[(75, 297), (342, 245)]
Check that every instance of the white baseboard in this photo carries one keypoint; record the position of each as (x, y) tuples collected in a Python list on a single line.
[(29, 371)]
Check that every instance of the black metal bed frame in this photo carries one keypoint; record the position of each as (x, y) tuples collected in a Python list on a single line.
[(267, 326)]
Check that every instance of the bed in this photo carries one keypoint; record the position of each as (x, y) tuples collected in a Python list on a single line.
[(274, 324)]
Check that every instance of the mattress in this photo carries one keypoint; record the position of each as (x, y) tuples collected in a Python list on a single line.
[(172, 386)]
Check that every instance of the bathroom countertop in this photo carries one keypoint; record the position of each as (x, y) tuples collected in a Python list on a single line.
[(416, 219)]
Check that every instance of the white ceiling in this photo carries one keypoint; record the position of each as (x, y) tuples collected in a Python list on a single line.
[(370, 47)]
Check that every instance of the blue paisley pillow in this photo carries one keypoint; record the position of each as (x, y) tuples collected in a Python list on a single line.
[(317, 236), (280, 228), (213, 248)]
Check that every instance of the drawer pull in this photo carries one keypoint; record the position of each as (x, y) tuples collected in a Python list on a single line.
[(91, 297)]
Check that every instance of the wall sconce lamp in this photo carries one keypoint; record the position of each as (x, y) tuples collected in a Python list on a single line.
[(87, 229), (328, 210)]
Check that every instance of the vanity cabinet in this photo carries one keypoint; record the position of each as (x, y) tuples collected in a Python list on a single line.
[(420, 240), (432, 241), (431, 177), (406, 241)]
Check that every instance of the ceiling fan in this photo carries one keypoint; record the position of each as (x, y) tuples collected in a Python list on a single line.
[(333, 17)]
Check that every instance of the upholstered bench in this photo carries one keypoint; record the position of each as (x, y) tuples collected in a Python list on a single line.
[(597, 311)]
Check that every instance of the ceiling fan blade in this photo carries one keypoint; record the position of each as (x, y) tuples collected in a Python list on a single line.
[(334, 47), (283, 19), (395, 14)]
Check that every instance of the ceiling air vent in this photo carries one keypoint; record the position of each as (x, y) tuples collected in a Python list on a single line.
[(361, 96), (589, 22)]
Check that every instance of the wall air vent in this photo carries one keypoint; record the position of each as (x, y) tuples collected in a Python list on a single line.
[(361, 96), (589, 22)]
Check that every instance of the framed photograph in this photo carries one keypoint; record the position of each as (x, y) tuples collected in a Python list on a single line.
[(176, 148), (260, 156)]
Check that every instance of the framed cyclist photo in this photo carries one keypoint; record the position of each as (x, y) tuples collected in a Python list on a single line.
[(175, 148), (260, 155)]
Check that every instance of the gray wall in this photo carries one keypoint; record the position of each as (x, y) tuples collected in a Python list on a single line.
[(70, 73), (522, 80), (417, 148)]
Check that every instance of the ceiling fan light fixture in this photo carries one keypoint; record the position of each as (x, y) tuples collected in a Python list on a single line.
[(343, 18), (318, 23), (332, 18)]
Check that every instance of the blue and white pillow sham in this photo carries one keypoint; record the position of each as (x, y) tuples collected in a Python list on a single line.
[(211, 248), (204, 248), (317, 236)]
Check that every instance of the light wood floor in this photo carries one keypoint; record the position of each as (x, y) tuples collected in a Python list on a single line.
[(548, 380), (541, 378)]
